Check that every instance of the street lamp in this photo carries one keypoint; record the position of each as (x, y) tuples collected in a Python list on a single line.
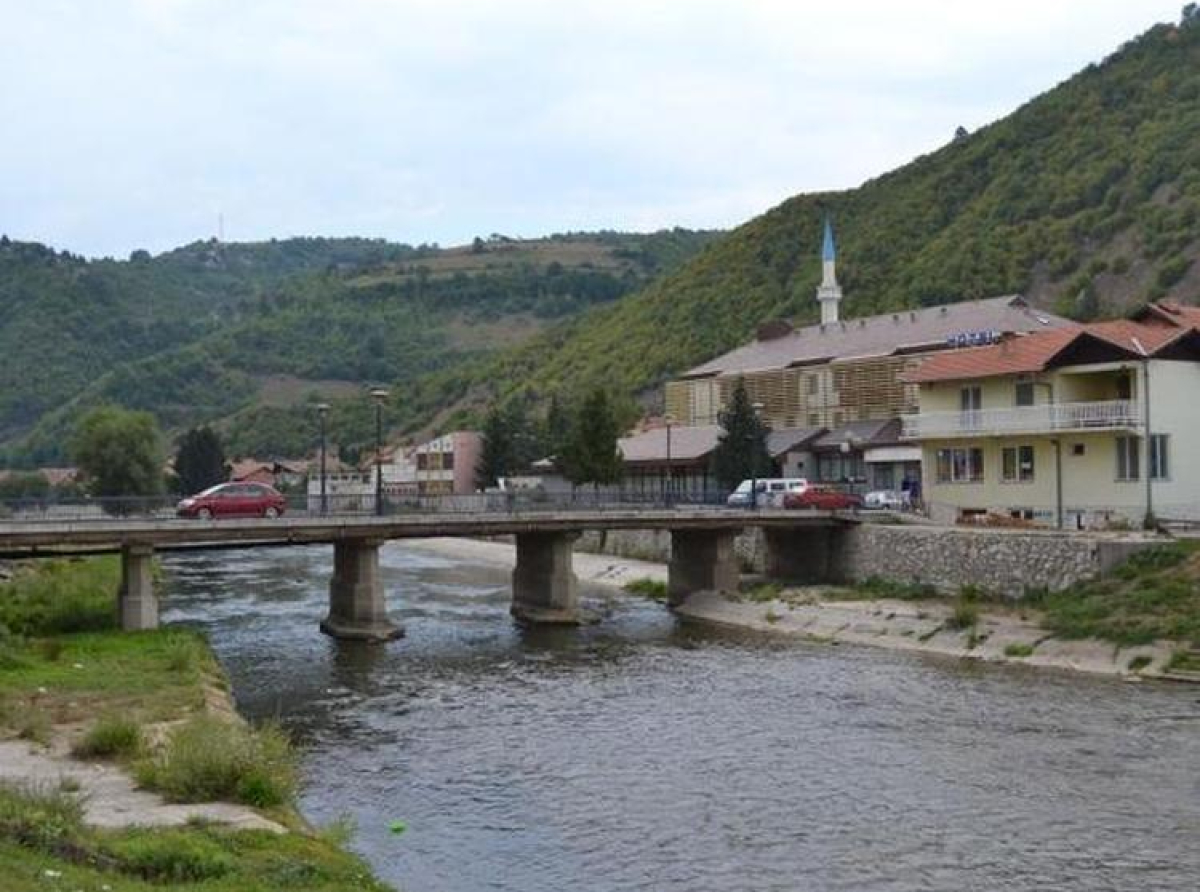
[(322, 414), (669, 420), (379, 395)]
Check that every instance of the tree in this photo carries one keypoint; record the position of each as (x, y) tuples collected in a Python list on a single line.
[(741, 451), (200, 460), (590, 454), (120, 452), (556, 428), (496, 452)]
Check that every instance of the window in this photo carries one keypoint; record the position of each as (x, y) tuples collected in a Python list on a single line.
[(1016, 464), (812, 385), (960, 465), (1124, 387), (1128, 458), (970, 399), (1079, 449), (1160, 465), (1024, 393)]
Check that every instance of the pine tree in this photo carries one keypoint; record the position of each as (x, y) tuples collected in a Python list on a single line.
[(496, 451), (591, 454), (200, 460), (741, 452)]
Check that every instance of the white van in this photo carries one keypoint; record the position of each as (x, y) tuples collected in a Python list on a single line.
[(769, 491)]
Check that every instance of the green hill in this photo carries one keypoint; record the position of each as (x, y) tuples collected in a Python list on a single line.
[(1090, 190), (239, 333)]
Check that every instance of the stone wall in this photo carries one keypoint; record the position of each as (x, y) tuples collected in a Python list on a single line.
[(1005, 562)]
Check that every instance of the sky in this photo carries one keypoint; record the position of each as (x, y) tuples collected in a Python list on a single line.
[(128, 124)]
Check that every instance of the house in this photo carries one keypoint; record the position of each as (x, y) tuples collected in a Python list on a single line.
[(447, 465), (866, 455), (1079, 427)]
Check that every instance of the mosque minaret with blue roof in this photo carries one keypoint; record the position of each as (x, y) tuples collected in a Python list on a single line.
[(829, 293)]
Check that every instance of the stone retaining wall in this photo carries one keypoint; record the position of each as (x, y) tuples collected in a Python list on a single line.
[(1005, 562)]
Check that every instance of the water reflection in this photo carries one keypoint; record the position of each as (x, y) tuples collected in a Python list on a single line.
[(640, 754)]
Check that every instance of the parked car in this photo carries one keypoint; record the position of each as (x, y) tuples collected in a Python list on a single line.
[(770, 491), (888, 499), (234, 500), (822, 498)]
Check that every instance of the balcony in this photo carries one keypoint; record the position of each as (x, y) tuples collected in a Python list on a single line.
[(1124, 415)]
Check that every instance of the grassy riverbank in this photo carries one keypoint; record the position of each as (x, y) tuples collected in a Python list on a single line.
[(80, 695)]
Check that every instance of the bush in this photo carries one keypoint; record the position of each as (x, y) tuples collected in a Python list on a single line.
[(170, 857), (38, 816), (112, 737), (208, 760)]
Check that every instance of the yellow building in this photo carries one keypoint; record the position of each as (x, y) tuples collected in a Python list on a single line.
[(1082, 427)]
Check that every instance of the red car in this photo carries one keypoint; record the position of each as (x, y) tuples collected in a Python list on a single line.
[(822, 498), (234, 500)]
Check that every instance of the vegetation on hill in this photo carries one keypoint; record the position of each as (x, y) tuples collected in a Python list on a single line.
[(1087, 196), (193, 334)]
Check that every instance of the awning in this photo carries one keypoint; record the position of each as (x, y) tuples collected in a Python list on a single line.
[(892, 453)]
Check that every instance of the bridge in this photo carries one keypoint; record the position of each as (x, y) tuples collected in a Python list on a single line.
[(544, 587)]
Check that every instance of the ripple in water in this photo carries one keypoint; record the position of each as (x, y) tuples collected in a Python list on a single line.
[(636, 754)]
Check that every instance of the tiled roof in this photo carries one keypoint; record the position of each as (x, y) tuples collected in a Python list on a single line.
[(1036, 352), (1172, 313), (884, 335), (785, 438)]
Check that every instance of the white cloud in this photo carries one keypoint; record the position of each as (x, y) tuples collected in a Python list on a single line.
[(134, 122)]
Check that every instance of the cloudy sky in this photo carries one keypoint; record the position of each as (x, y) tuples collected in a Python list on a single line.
[(136, 123)]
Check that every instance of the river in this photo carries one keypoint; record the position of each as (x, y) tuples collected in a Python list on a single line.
[(641, 754)]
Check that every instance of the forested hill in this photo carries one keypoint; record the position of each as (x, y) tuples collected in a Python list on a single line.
[(1087, 199), (235, 333)]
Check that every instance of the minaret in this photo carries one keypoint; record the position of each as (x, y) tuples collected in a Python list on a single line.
[(829, 294)]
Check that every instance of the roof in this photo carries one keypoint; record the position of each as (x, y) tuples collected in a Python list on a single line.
[(687, 444), (785, 438), (1172, 313), (910, 331), (1099, 341), (875, 432)]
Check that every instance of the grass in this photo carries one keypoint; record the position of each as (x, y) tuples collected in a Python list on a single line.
[(61, 596), (207, 759), (1018, 649), (56, 668), (45, 845), (112, 737), (965, 615), (655, 589), (1154, 595), (762, 593), (1138, 663)]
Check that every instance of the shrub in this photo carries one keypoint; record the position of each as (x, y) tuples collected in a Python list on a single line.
[(654, 589), (1019, 649), (964, 616), (207, 760), (170, 856), (39, 816), (1138, 663), (62, 596), (112, 737)]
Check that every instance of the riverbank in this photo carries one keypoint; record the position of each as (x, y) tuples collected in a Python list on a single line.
[(123, 763), (1045, 635)]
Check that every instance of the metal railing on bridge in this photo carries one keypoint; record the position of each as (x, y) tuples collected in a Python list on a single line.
[(84, 509)]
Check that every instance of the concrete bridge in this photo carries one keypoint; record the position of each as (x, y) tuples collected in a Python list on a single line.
[(543, 582)]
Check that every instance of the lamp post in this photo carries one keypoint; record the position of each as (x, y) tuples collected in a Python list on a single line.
[(322, 414), (379, 395), (669, 487)]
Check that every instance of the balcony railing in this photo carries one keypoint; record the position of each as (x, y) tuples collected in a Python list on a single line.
[(1107, 415)]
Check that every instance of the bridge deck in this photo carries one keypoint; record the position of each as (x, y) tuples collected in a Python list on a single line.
[(17, 538)]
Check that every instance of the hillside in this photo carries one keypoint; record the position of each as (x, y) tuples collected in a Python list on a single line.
[(235, 332), (1091, 189)]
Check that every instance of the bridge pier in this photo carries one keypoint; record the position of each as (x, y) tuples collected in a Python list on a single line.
[(545, 589), (701, 560), (357, 608), (804, 556), (137, 603)]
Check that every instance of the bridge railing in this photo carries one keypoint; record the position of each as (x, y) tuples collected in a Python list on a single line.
[(80, 509)]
